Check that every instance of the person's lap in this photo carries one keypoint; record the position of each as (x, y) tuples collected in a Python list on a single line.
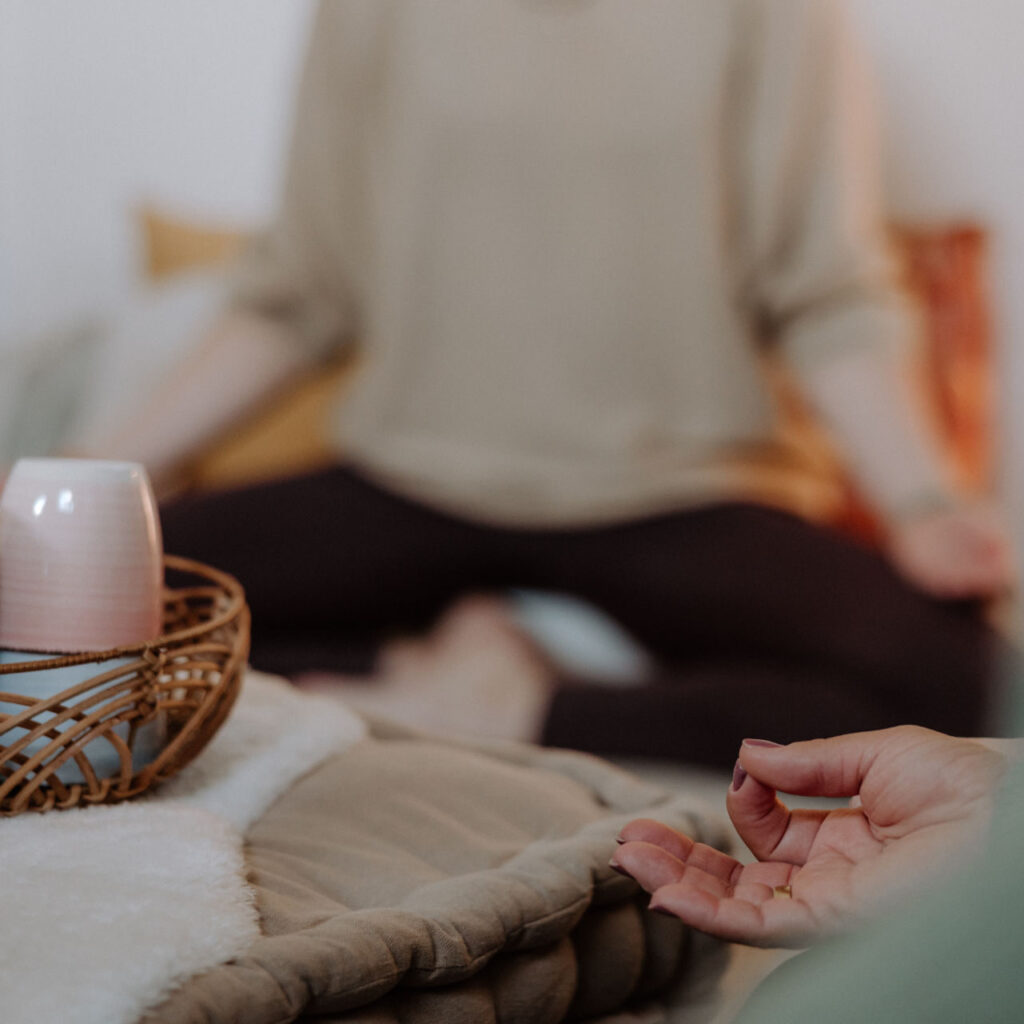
[(741, 584), (730, 596), (327, 549)]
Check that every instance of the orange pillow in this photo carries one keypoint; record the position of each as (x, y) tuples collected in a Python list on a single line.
[(946, 268)]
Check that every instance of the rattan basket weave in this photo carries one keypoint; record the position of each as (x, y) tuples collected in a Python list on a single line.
[(187, 679)]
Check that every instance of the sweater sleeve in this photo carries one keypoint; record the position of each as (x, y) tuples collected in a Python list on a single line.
[(305, 270), (813, 263)]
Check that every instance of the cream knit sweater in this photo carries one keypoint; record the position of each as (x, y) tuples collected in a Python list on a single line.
[(565, 231)]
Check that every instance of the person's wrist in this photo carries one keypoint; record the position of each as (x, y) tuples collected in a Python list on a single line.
[(922, 503), (1012, 749)]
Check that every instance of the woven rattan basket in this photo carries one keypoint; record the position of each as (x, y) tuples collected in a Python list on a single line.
[(186, 680)]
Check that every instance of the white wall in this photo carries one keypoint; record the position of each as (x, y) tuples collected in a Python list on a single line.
[(108, 103)]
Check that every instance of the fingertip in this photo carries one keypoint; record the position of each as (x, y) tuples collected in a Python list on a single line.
[(638, 830), (655, 833), (751, 801), (752, 754), (618, 868), (752, 797)]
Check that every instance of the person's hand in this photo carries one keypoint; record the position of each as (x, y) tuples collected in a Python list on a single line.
[(962, 551), (922, 803)]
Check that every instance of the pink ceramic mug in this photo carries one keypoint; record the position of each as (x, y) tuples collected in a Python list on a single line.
[(80, 556)]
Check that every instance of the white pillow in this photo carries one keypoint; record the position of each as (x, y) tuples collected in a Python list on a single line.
[(146, 342)]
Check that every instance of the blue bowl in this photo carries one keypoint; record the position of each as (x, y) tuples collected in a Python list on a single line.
[(150, 737)]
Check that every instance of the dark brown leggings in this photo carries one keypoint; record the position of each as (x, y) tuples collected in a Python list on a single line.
[(764, 625)]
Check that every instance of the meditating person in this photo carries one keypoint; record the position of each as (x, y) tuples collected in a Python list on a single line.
[(566, 237), (915, 884)]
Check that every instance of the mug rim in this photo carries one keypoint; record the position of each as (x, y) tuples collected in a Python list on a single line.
[(77, 469)]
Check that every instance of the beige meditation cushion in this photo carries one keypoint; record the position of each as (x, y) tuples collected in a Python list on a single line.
[(432, 883)]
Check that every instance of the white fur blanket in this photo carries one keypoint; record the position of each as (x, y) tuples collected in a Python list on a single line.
[(106, 909)]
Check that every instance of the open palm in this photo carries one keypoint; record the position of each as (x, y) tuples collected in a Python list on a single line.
[(922, 802)]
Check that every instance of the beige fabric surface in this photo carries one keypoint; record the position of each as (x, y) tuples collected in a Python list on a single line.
[(422, 881), (561, 232)]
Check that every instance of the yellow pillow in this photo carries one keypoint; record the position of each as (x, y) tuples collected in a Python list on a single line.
[(172, 245)]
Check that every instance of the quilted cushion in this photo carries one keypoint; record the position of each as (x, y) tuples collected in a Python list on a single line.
[(415, 880)]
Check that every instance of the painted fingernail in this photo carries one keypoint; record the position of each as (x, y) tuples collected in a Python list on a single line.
[(615, 866), (739, 776), (761, 743)]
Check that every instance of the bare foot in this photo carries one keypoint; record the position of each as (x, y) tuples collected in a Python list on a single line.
[(475, 674)]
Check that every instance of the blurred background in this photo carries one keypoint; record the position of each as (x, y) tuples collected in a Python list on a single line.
[(119, 115), (108, 106), (140, 137)]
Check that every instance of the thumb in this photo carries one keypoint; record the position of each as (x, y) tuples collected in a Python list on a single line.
[(829, 767)]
